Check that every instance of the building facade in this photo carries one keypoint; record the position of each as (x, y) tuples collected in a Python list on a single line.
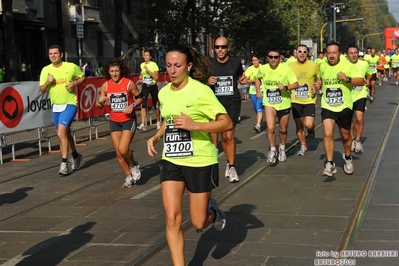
[(84, 28)]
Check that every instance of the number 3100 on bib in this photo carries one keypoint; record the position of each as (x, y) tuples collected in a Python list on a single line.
[(177, 142)]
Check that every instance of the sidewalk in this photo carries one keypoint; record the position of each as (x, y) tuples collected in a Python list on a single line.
[(283, 216)]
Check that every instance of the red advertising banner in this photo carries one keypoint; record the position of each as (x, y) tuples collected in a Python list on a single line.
[(89, 91)]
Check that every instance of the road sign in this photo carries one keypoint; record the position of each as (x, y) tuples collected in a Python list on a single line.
[(80, 34), (79, 31), (79, 14), (79, 22)]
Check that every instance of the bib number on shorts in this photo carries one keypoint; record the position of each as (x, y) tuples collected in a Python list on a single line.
[(118, 101), (274, 96), (224, 86), (334, 96), (177, 142)]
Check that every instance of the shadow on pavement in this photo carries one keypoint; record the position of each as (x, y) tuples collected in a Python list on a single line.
[(13, 197), (52, 251), (238, 221)]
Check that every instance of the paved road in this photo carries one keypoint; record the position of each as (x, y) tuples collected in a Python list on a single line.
[(280, 216)]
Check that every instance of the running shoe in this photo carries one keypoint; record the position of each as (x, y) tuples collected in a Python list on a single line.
[(227, 171), (358, 146), (135, 172), (141, 127), (75, 163), (311, 135), (330, 169), (302, 151), (348, 166), (396, 83), (257, 128), (219, 222), (371, 99), (159, 125), (282, 157), (64, 170), (233, 176), (379, 84), (271, 157), (353, 146), (128, 181)]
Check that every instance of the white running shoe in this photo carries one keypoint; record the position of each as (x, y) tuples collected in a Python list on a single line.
[(271, 157), (257, 128), (282, 157), (135, 172), (302, 151), (64, 170), (227, 171), (348, 166), (233, 176), (358, 146), (159, 125), (75, 163), (330, 169), (353, 146), (219, 222), (141, 127), (128, 181)]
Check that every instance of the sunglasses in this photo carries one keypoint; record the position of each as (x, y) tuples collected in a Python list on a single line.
[(302, 51), (273, 56), (220, 46)]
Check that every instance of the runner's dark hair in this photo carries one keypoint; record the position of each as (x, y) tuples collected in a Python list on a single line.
[(202, 66), (125, 72)]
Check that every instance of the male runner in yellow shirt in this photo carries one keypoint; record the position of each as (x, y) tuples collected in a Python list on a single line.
[(337, 79), (303, 99)]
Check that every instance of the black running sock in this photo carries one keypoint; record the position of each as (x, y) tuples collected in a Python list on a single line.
[(75, 154), (331, 162), (348, 157), (231, 165), (64, 160)]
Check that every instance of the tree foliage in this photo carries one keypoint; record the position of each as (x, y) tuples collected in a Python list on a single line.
[(258, 25)]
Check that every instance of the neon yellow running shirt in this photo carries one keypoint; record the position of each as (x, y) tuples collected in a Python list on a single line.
[(306, 74), (373, 61), (63, 75), (189, 148), (336, 93), (250, 73), (273, 96), (359, 92), (147, 78), (395, 61)]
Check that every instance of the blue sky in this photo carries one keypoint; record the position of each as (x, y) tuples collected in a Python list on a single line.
[(394, 8)]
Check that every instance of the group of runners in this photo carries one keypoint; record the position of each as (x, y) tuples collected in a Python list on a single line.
[(193, 115), (345, 79)]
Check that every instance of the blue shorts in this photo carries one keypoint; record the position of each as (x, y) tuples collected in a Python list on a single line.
[(257, 103), (65, 117)]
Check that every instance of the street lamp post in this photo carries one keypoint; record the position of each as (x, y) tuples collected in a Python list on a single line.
[(335, 8), (338, 21)]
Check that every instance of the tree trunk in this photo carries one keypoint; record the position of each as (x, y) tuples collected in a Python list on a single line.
[(118, 28), (9, 44)]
